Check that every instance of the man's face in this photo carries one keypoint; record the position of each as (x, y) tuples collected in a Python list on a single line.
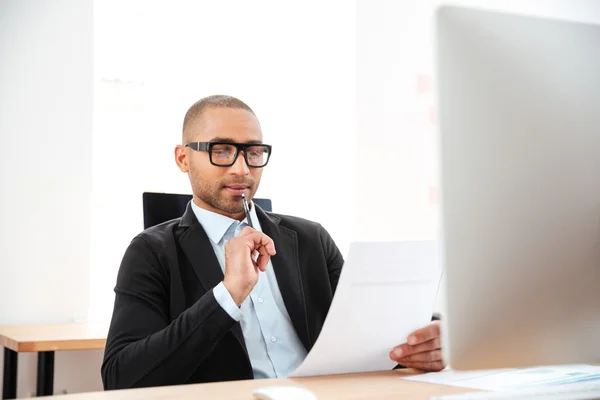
[(215, 188)]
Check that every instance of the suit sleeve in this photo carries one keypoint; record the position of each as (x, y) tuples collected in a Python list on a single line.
[(143, 347), (335, 260)]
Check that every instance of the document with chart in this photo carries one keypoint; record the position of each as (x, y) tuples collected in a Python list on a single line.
[(386, 291)]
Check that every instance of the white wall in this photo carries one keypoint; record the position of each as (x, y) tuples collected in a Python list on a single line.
[(397, 165), (293, 63), (45, 172), (396, 174)]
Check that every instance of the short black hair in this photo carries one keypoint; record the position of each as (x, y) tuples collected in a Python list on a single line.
[(214, 101)]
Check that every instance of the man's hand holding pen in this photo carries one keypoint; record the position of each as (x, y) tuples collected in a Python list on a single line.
[(241, 265)]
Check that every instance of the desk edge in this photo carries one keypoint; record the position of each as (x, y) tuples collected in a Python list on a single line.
[(59, 345)]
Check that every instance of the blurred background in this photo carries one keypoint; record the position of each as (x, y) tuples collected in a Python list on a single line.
[(92, 99)]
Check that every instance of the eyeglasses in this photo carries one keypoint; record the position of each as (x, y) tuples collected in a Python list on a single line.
[(224, 154)]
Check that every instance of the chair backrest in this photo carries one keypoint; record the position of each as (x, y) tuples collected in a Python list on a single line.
[(161, 207)]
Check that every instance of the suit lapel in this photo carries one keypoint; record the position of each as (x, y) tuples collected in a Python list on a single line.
[(286, 265), (197, 248)]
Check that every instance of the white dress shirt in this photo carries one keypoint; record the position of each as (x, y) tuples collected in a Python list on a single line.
[(273, 346)]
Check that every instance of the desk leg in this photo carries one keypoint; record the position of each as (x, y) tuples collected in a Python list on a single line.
[(9, 381), (45, 373)]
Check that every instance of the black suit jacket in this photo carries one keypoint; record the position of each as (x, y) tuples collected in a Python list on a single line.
[(167, 328)]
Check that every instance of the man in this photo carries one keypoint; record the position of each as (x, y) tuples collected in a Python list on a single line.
[(207, 298)]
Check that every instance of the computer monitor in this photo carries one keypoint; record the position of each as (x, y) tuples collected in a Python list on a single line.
[(518, 101), (162, 207)]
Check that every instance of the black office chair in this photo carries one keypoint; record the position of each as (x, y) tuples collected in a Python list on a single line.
[(162, 207)]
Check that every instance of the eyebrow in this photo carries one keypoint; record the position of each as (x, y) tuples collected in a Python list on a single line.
[(228, 140)]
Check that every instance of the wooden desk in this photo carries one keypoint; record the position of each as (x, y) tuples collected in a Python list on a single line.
[(45, 340), (386, 385)]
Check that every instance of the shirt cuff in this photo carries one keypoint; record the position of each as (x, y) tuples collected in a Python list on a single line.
[(224, 299)]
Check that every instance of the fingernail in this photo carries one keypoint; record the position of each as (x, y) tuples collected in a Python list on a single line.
[(412, 340), (398, 353)]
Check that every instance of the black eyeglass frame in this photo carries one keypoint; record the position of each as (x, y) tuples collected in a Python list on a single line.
[(207, 146)]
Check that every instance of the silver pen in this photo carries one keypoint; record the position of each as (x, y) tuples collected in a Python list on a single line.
[(247, 210)]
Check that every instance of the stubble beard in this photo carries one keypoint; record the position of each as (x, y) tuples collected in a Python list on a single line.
[(212, 193)]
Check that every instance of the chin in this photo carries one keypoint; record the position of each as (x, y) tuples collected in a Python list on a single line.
[(232, 207)]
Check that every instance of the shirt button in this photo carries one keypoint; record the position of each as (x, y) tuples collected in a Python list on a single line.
[(260, 300), (273, 339)]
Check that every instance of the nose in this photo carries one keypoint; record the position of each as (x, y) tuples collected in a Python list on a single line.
[(240, 167)]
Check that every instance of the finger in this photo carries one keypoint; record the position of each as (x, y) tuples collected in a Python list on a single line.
[(262, 261), (263, 258), (430, 332), (246, 231), (406, 349), (256, 239), (427, 367), (428, 356), (259, 240)]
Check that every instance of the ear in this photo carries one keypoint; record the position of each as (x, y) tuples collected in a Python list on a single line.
[(181, 158)]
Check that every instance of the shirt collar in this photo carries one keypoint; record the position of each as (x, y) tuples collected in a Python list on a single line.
[(216, 225)]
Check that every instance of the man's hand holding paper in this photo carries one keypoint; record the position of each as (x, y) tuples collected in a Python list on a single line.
[(385, 295), (423, 350)]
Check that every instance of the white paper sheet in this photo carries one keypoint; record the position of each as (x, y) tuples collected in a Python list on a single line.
[(513, 379), (386, 291)]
